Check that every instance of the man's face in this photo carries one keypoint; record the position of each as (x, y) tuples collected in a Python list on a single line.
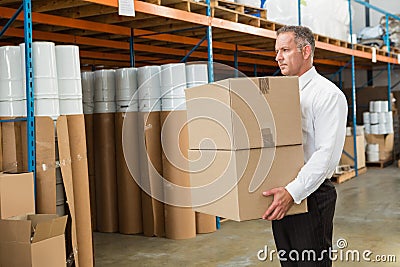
[(288, 56)]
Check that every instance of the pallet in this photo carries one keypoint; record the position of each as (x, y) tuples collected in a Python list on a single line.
[(380, 164), (340, 178)]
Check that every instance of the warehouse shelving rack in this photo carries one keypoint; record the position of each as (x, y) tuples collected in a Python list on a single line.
[(27, 23), (166, 31)]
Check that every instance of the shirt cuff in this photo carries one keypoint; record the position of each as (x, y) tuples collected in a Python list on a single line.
[(295, 189)]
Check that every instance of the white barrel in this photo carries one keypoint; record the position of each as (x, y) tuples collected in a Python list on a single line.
[(104, 85), (87, 80), (88, 107), (126, 84), (70, 88), (150, 105), (47, 107), (105, 107), (10, 63), (45, 87), (384, 106), (171, 104), (374, 128), (71, 106), (373, 156), (149, 82), (68, 63), (377, 106), (44, 59), (366, 118), (371, 106), (367, 128), (13, 108), (374, 118), (373, 148), (389, 117), (173, 80), (382, 128), (127, 106), (382, 117), (196, 74), (11, 90)]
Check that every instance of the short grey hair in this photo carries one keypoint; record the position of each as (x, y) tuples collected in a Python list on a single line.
[(302, 36)]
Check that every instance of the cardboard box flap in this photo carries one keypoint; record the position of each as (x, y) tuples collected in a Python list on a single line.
[(45, 229), (13, 230)]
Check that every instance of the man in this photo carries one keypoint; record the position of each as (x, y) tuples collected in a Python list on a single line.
[(324, 114)]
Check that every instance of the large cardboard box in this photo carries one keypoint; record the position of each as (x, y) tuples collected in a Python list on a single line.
[(385, 142), (33, 240), (349, 149), (244, 113), (16, 194), (229, 184)]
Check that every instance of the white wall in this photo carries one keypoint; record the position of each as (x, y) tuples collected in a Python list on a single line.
[(392, 6)]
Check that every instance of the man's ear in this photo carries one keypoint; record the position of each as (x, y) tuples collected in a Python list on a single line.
[(307, 51)]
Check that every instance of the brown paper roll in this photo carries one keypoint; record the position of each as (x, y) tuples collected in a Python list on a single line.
[(105, 172), (129, 193), (180, 222), (91, 167), (150, 171), (80, 179), (205, 223)]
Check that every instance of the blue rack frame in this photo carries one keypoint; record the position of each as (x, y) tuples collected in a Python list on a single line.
[(30, 105)]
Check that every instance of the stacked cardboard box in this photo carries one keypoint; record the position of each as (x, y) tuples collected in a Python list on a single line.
[(348, 157), (27, 239), (244, 138)]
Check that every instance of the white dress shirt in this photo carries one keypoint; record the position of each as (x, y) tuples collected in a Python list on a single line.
[(324, 115)]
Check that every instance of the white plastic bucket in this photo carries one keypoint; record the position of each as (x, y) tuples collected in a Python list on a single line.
[(196, 74), (373, 148), (371, 106), (88, 107), (348, 131), (105, 107), (87, 80), (382, 128), (10, 63), (47, 107), (44, 59), (104, 85), (384, 106), (171, 104), (45, 87), (389, 128), (389, 117), (68, 63), (374, 118), (149, 105), (173, 80), (366, 118), (373, 156), (126, 83), (11, 90), (367, 127), (374, 128), (381, 117), (70, 88), (149, 82), (377, 106), (127, 106), (71, 106), (13, 108)]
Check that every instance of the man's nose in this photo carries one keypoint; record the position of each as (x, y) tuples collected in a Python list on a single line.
[(278, 56)]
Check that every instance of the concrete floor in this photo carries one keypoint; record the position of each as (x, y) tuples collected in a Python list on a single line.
[(367, 217)]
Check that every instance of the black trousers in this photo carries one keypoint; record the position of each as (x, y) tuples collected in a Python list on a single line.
[(299, 236)]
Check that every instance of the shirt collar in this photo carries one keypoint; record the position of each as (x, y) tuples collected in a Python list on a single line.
[(307, 77)]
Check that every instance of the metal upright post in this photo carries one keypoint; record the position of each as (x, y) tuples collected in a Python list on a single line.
[(255, 70), (299, 10), (131, 49), (209, 47), (389, 77), (30, 107), (353, 95), (236, 63)]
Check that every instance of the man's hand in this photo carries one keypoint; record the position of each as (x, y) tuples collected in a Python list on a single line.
[(280, 205)]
